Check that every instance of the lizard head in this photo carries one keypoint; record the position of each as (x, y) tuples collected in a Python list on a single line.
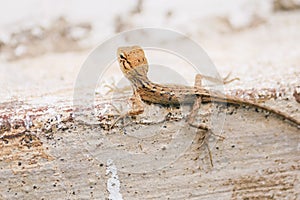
[(132, 61)]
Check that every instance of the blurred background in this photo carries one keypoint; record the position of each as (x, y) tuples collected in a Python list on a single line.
[(44, 43), (45, 155)]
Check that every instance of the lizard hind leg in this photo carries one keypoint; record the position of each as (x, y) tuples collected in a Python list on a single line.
[(191, 118), (225, 80), (198, 81), (196, 105)]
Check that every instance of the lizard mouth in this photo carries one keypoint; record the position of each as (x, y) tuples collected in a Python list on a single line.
[(124, 63)]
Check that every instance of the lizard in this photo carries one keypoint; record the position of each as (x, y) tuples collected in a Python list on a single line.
[(134, 65)]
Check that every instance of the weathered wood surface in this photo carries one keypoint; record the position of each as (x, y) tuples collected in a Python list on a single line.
[(259, 158)]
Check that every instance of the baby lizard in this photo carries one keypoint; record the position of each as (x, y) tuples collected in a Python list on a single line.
[(134, 66)]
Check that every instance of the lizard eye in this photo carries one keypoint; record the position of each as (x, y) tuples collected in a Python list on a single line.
[(122, 56)]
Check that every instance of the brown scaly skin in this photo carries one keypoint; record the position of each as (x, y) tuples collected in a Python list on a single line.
[(134, 66)]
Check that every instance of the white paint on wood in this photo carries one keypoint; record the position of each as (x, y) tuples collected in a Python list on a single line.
[(113, 183)]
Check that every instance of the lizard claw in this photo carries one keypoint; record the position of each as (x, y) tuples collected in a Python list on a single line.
[(114, 123), (226, 79)]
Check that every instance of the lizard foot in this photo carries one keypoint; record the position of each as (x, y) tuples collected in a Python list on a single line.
[(203, 140), (226, 79)]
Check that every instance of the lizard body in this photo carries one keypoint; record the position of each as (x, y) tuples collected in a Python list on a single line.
[(134, 66)]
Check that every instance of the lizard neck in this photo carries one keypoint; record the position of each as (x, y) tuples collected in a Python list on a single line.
[(139, 81)]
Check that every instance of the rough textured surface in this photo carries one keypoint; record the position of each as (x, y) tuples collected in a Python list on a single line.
[(256, 159)]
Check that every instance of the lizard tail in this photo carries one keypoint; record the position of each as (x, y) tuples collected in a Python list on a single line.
[(239, 101)]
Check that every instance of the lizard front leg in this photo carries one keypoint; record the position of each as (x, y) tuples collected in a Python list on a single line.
[(137, 107), (137, 104)]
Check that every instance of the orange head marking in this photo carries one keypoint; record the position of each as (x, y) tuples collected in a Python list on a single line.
[(132, 61)]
